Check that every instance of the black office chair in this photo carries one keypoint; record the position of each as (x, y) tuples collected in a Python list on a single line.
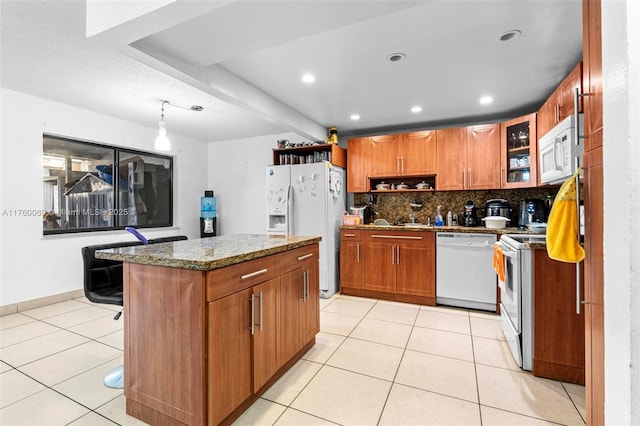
[(103, 283)]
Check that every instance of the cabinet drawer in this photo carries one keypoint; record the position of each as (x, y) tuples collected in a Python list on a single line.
[(290, 260), (409, 237), (225, 281), (350, 235)]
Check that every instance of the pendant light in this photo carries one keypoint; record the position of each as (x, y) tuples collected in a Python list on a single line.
[(162, 141)]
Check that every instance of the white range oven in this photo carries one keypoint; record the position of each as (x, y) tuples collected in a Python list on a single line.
[(516, 296)]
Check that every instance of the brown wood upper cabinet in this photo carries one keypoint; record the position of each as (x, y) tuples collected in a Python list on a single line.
[(403, 154), (468, 157), (560, 104), (519, 152), (358, 165), (397, 155), (418, 153)]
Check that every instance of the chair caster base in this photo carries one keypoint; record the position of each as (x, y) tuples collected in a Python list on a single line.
[(115, 378)]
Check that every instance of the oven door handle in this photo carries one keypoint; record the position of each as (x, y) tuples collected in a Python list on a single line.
[(507, 252)]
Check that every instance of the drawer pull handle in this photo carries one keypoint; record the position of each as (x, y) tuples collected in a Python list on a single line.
[(306, 256), (253, 274), (400, 237), (349, 235)]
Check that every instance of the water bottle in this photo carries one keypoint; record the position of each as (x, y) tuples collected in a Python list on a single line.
[(449, 218)]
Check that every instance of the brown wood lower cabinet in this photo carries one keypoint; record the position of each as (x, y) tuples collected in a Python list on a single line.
[(388, 265), (558, 328), (200, 347)]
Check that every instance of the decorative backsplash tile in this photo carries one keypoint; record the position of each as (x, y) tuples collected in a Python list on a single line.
[(396, 207)]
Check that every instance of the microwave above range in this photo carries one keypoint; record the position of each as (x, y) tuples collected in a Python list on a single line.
[(560, 151)]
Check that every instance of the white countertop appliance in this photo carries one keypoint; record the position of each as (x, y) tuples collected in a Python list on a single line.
[(464, 270), (516, 296), (309, 199), (560, 150)]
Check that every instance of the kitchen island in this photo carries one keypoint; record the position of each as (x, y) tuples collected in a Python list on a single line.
[(211, 323)]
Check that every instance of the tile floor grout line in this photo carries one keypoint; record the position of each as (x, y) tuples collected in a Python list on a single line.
[(522, 414), (395, 376), (572, 401), (475, 370), (47, 387), (323, 364)]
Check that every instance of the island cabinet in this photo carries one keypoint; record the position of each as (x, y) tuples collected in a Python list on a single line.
[(388, 265), (202, 345), (468, 158), (558, 328), (299, 306)]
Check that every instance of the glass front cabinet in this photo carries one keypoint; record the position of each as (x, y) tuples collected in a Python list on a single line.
[(518, 152)]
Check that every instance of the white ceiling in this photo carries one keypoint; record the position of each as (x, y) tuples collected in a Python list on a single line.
[(242, 60)]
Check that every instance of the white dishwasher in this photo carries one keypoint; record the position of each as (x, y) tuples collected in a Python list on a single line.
[(464, 270)]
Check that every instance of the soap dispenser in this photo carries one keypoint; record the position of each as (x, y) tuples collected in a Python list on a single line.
[(438, 220)]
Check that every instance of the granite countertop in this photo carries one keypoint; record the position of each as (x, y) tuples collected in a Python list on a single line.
[(463, 229), (205, 254)]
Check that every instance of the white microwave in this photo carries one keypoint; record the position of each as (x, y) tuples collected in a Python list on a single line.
[(557, 151)]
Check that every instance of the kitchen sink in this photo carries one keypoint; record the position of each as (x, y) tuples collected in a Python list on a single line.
[(416, 225)]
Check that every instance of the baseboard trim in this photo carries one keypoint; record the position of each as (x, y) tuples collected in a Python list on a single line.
[(41, 301)]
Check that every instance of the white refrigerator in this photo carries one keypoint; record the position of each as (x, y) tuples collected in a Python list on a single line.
[(309, 199)]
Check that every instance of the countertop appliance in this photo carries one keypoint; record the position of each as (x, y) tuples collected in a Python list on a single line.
[(309, 199), (532, 210), (558, 150), (472, 285), (497, 207), (470, 214), (516, 296)]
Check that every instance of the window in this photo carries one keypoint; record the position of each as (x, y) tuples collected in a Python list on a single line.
[(80, 185)]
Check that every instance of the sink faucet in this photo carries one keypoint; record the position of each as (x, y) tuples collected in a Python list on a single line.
[(412, 217)]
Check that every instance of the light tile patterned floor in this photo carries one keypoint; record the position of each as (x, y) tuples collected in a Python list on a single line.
[(374, 363)]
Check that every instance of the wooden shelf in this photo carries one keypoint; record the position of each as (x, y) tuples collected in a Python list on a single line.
[(335, 154), (520, 150), (520, 168), (378, 191)]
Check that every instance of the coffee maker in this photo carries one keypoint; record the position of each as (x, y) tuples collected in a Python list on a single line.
[(470, 214), (531, 210)]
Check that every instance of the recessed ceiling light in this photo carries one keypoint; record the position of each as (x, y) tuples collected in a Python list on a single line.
[(416, 109), (395, 57), (308, 78), (486, 100), (509, 35), (355, 117)]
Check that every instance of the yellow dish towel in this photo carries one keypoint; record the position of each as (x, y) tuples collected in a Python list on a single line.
[(562, 226)]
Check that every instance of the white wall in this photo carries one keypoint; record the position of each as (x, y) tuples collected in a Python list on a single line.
[(237, 175), (621, 102), (34, 266)]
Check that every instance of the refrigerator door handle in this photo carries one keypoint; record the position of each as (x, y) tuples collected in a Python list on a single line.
[(289, 210)]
